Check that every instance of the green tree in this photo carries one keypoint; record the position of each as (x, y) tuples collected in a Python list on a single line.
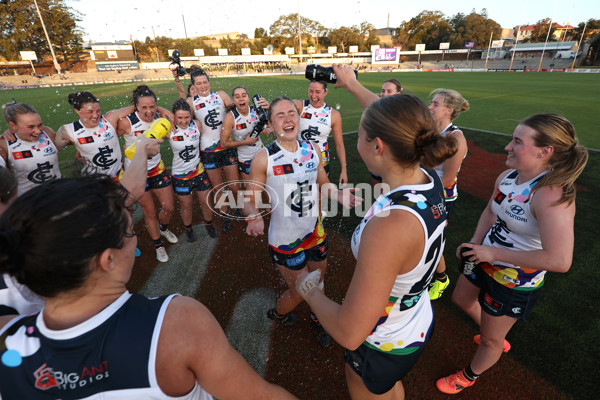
[(260, 33), (428, 27), (233, 46), (540, 31), (284, 31), (343, 37), (475, 27), (21, 29), (367, 36), (591, 29)]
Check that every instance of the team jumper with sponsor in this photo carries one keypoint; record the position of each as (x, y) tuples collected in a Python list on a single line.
[(315, 126), (110, 356), (516, 229), (450, 192), (243, 126), (185, 143), (292, 186), (33, 163), (155, 163), (99, 146), (210, 111), (408, 316)]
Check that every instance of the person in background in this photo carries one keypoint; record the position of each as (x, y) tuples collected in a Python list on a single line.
[(29, 150), (445, 107), (210, 109), (525, 231), (237, 127), (158, 182), (386, 318), (184, 94), (389, 88), (187, 171), (94, 135), (317, 121)]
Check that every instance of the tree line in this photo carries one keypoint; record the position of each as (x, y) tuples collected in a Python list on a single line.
[(20, 29)]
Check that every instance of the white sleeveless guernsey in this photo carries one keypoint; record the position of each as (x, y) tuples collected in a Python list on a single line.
[(33, 163), (185, 144), (243, 126), (517, 229), (210, 111), (99, 146), (155, 164), (315, 126), (292, 187), (404, 325)]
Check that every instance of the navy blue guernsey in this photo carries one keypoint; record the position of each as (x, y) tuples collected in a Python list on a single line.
[(111, 351)]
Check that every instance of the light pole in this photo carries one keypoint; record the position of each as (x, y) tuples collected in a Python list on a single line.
[(56, 65)]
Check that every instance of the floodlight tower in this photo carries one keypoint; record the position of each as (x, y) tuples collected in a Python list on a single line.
[(56, 65)]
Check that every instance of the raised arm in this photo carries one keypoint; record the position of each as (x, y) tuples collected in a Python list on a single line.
[(340, 149), (347, 80), (179, 86), (114, 116), (134, 177), (226, 100)]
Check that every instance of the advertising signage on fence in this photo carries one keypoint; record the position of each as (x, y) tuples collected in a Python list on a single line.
[(469, 45), (117, 66), (444, 46), (28, 55), (386, 54)]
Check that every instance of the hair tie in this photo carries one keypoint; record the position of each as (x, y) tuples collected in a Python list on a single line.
[(572, 147)]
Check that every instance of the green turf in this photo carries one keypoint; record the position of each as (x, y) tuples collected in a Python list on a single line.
[(498, 100), (561, 341)]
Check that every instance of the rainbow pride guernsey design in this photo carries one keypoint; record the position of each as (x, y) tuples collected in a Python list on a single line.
[(515, 228), (315, 126), (99, 146), (210, 111), (408, 316), (33, 163), (292, 187), (185, 143), (155, 164)]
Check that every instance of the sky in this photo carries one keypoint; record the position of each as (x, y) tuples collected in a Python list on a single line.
[(113, 20)]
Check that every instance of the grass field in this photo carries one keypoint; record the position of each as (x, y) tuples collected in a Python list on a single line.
[(561, 341)]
